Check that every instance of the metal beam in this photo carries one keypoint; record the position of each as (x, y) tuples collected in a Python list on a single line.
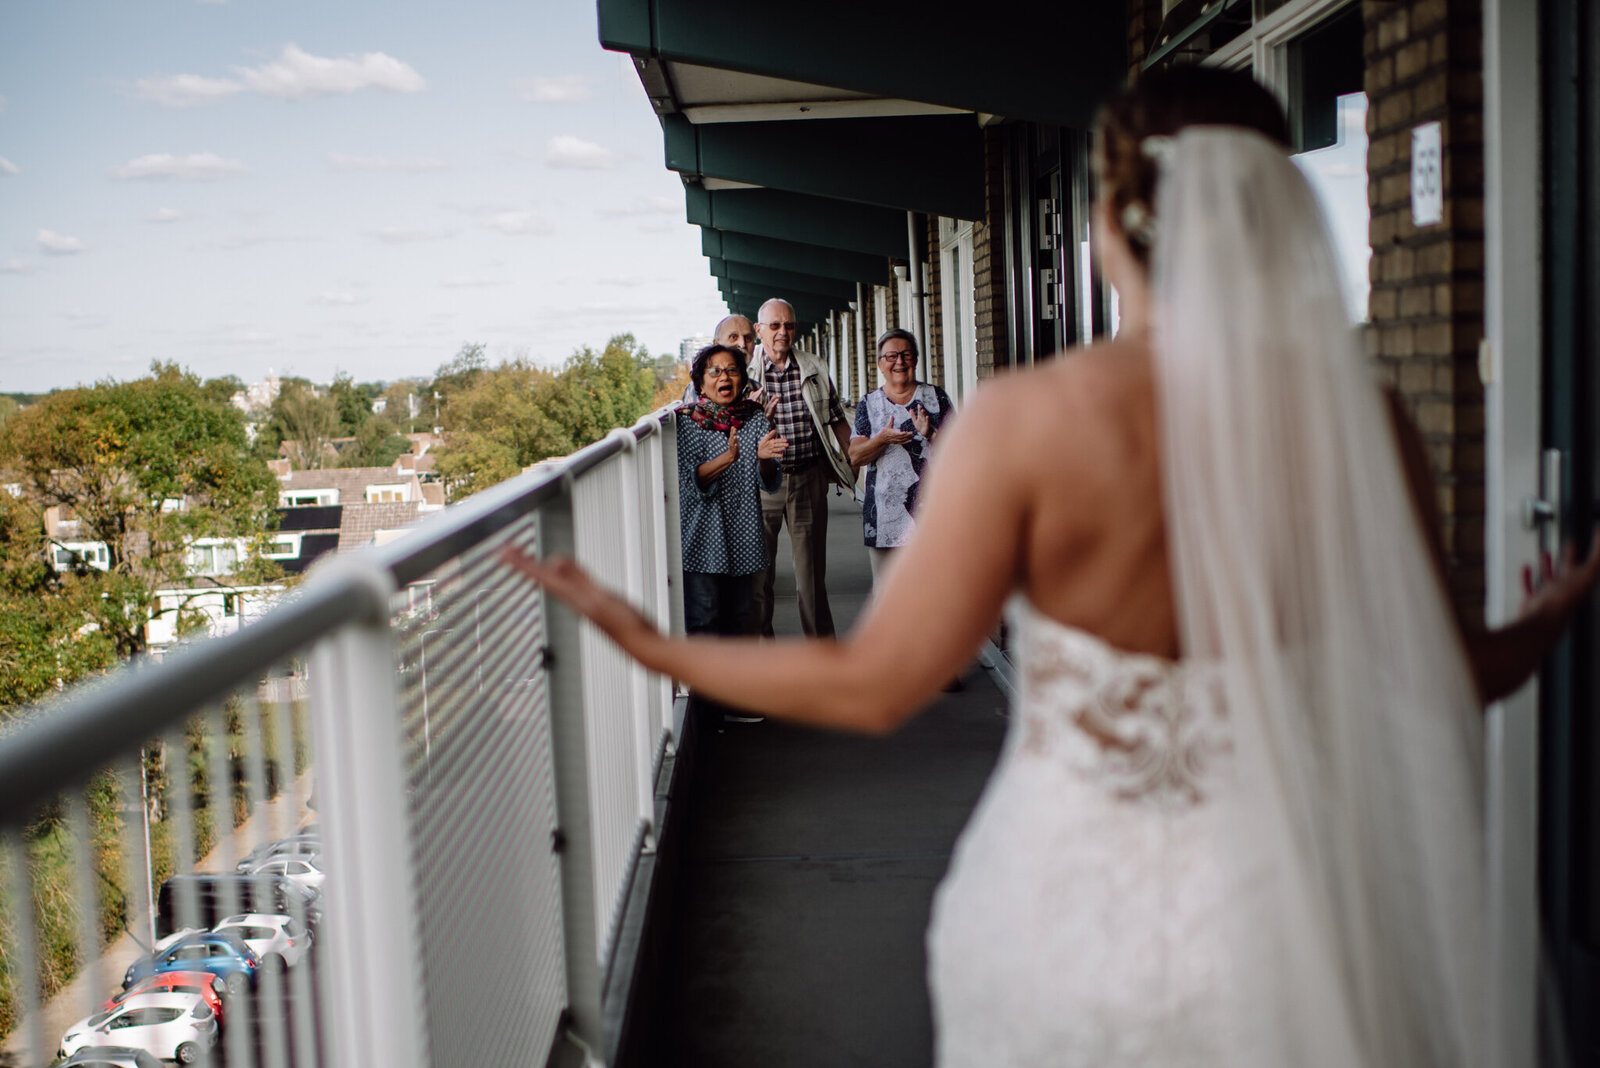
[(797, 217), (926, 163)]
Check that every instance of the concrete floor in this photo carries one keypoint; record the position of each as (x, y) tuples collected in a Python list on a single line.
[(811, 861)]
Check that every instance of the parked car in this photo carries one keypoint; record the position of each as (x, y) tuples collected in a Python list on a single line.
[(174, 1027), (111, 1057), (272, 937), (294, 843), (303, 869), (200, 899), (207, 985), (223, 955)]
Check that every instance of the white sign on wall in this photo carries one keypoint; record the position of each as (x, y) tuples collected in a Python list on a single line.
[(1427, 175)]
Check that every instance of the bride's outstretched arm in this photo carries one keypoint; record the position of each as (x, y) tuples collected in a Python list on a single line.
[(1504, 658), (943, 595)]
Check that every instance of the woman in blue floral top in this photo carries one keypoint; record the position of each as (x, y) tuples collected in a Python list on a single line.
[(727, 451), (896, 424)]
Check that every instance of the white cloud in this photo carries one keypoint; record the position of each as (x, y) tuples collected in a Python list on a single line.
[(7, 167), (59, 244), (14, 267), (297, 74), (626, 281), (517, 223), (200, 165), (644, 206), (185, 90), (164, 215), (577, 154), (395, 235), (557, 89), (472, 282), (342, 299), (656, 228), (341, 162), (87, 320)]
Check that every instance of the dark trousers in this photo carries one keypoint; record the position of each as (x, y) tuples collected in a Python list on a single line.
[(717, 604)]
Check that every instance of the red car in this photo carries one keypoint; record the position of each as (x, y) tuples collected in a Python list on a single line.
[(210, 987)]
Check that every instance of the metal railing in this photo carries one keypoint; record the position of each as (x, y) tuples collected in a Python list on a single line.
[(481, 772)]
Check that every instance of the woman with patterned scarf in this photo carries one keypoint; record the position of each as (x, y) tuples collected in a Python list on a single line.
[(726, 451)]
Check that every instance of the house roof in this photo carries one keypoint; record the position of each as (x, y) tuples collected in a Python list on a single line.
[(351, 482), (363, 521)]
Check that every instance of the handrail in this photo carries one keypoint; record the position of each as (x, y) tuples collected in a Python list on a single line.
[(61, 742)]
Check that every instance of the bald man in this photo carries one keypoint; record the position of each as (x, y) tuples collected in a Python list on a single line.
[(736, 332)]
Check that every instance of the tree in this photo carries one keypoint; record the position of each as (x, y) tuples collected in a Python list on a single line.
[(354, 406), (515, 415), (308, 421), (146, 467)]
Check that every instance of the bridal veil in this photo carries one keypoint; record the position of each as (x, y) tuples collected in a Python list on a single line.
[(1302, 571)]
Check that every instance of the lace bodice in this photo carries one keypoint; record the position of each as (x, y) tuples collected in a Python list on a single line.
[(1081, 922)]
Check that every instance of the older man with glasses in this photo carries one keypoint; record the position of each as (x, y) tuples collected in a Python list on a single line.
[(805, 409)]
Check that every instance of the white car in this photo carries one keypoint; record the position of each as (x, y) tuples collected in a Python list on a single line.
[(303, 869), (174, 1027), (270, 935)]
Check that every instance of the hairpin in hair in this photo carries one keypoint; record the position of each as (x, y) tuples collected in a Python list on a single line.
[(1139, 224), (1160, 148)]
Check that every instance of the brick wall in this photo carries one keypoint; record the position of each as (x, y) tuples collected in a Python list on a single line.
[(988, 260), (1423, 64), (1144, 19)]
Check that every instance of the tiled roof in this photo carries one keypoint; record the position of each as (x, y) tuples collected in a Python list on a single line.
[(351, 482), (362, 521)]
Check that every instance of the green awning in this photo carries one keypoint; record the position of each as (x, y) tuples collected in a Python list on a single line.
[(810, 220), (779, 281), (926, 163), (795, 256), (1050, 61)]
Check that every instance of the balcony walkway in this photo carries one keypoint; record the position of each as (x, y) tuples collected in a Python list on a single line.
[(810, 864)]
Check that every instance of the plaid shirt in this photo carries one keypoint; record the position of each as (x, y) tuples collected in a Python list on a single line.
[(792, 418)]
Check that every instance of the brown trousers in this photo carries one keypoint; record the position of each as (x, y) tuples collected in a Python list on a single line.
[(801, 503)]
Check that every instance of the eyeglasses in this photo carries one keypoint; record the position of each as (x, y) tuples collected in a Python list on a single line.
[(897, 357), (780, 326), (721, 372)]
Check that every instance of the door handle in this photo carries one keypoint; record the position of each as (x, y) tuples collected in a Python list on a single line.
[(1543, 513)]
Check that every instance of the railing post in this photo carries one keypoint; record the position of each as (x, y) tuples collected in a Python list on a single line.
[(569, 744), (373, 1002)]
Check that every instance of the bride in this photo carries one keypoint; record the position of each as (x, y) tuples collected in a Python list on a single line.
[(1238, 815)]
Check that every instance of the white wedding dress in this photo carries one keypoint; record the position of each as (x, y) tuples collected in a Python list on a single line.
[(1270, 853), (1082, 919)]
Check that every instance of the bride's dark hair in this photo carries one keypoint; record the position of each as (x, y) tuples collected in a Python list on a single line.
[(1162, 103)]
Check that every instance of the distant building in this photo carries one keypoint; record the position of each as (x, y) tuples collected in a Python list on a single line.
[(258, 396), (340, 509), (692, 345)]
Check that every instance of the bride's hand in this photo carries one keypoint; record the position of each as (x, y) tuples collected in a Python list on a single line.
[(1559, 587), (565, 580)]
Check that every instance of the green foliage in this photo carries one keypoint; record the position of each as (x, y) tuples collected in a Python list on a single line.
[(501, 420), (377, 444), (8, 408), (119, 455), (221, 390), (353, 406), (307, 421)]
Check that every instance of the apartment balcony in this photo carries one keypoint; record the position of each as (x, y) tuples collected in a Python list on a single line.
[(533, 851)]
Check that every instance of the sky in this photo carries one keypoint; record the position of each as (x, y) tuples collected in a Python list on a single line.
[(309, 188)]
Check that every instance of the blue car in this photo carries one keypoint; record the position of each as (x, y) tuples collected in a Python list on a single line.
[(223, 955)]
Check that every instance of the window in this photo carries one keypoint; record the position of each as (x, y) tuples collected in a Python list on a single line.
[(283, 547), (68, 555), (1309, 52), (388, 493), (313, 498), (213, 558)]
